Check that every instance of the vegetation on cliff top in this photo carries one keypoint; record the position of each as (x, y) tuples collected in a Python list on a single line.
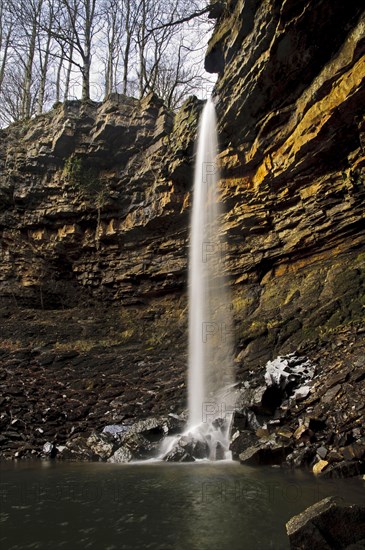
[(54, 50)]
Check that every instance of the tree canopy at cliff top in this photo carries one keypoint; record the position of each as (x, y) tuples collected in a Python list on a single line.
[(53, 50)]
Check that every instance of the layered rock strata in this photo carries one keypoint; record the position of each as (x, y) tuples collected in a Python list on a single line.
[(94, 202)]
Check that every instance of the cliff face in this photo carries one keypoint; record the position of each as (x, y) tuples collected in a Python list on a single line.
[(94, 201), (93, 221), (290, 99), (94, 212)]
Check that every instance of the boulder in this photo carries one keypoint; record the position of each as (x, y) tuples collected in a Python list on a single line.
[(269, 453), (131, 446), (115, 429), (188, 448), (50, 450), (290, 373), (136, 444), (355, 451), (121, 456), (344, 469), (320, 466), (77, 448), (101, 445), (240, 442), (178, 454), (301, 457), (175, 423), (220, 452), (155, 428), (285, 377), (326, 525), (244, 419), (196, 447)]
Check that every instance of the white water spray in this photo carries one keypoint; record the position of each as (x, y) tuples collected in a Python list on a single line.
[(211, 375)]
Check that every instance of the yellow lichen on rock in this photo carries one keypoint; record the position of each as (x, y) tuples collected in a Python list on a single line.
[(320, 466)]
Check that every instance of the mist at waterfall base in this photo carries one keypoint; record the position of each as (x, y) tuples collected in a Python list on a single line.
[(210, 373)]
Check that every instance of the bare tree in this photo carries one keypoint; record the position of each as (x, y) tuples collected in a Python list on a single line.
[(6, 31), (11, 96), (134, 46), (27, 14), (113, 38), (44, 49), (61, 59), (175, 41), (178, 77), (132, 8), (78, 22), (69, 55)]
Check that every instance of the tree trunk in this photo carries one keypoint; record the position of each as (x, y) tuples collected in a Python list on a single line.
[(109, 77), (141, 46), (58, 79), (27, 83), (42, 88), (68, 74), (86, 55), (86, 79), (127, 48), (5, 56)]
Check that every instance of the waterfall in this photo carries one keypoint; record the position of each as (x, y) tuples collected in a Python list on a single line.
[(211, 375)]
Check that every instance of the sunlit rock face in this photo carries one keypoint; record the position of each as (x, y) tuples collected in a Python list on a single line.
[(290, 99)]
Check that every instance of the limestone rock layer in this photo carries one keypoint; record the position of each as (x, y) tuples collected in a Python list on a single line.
[(94, 202), (290, 99)]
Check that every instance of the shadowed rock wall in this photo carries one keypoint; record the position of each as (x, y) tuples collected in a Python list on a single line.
[(94, 202)]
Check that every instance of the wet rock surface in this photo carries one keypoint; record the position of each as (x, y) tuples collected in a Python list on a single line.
[(312, 431), (62, 398), (328, 524), (187, 449), (207, 441)]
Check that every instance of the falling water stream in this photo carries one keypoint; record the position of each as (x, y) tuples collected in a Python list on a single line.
[(210, 374), (210, 323)]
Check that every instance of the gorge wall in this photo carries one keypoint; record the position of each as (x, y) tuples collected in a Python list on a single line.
[(94, 213), (290, 102), (94, 202)]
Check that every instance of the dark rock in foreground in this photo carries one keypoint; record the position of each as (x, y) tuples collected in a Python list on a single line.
[(203, 442), (178, 454), (270, 453), (188, 448), (287, 416), (119, 443), (328, 525)]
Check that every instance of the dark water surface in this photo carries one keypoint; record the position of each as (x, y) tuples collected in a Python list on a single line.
[(205, 506)]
